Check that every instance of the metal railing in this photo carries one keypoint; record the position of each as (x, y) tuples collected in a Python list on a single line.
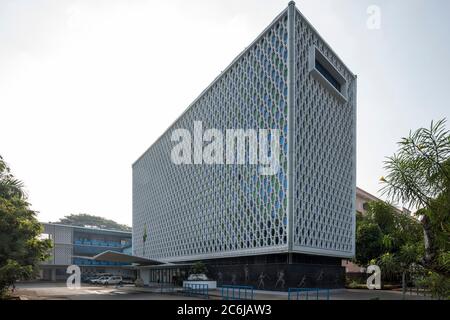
[(200, 289), (296, 293), (236, 292)]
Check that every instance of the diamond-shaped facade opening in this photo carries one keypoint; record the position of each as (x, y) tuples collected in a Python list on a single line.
[(324, 153), (190, 212)]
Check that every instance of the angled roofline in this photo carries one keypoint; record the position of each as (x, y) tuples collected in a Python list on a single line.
[(366, 194), (115, 256), (325, 42), (233, 62)]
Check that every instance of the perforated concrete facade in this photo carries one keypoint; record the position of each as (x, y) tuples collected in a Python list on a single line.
[(190, 212), (324, 151)]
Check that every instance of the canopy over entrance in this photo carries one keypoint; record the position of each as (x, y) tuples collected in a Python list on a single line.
[(123, 257)]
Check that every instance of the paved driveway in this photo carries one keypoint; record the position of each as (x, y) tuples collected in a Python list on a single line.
[(59, 291)]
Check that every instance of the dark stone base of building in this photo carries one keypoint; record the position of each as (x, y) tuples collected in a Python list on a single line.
[(278, 272)]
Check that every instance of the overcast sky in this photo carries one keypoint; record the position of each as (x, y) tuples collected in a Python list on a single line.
[(87, 86)]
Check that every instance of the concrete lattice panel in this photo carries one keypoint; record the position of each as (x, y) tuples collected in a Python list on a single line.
[(193, 212), (324, 152)]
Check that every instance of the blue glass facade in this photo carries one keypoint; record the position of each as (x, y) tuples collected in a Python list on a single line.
[(90, 242)]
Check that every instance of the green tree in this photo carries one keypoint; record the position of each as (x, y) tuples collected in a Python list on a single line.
[(390, 239), (87, 220), (10, 187), (418, 175), (21, 250), (198, 268), (368, 242)]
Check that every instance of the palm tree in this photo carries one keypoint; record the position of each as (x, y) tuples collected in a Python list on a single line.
[(10, 187), (419, 176)]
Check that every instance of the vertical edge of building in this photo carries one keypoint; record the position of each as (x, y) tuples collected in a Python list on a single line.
[(291, 121), (324, 144)]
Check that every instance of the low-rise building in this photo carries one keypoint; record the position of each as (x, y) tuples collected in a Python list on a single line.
[(73, 245)]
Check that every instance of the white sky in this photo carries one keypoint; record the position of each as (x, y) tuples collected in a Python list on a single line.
[(87, 86)]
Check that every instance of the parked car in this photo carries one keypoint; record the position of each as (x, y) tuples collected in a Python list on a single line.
[(88, 278), (99, 279), (111, 280)]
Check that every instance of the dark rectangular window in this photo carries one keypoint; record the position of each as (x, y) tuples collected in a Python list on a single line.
[(324, 72)]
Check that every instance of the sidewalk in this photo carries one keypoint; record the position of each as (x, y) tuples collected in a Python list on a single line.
[(335, 294)]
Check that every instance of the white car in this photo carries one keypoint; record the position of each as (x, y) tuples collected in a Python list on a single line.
[(99, 279), (111, 280)]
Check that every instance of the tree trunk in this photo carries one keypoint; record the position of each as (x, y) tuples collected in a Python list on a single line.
[(403, 284), (429, 240)]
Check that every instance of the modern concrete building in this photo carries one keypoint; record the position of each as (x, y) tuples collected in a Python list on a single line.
[(78, 245), (288, 229)]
